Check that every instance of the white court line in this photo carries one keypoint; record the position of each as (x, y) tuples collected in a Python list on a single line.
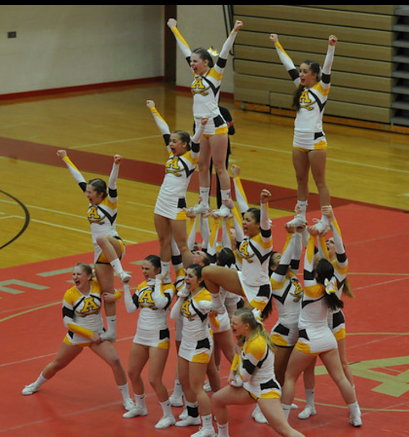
[(84, 146), (78, 217), (140, 204), (10, 216), (269, 149), (289, 152), (70, 229)]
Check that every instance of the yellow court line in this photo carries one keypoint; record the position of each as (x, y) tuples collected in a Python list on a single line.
[(29, 311)]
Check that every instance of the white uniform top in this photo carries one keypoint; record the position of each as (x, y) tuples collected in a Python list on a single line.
[(81, 313), (194, 316), (308, 121), (256, 368), (315, 335), (314, 308), (287, 290), (102, 217), (153, 299), (178, 169), (206, 89), (255, 252)]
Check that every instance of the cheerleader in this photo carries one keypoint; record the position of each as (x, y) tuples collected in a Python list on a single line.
[(195, 351), (315, 337), (252, 378), (170, 208), (254, 241), (151, 341), (109, 248), (287, 293), (206, 95), (309, 144), (333, 250), (81, 311)]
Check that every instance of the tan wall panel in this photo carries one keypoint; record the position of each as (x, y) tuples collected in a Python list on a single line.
[(362, 70), (351, 65), (350, 80), (366, 20), (373, 9), (254, 40), (272, 85), (316, 30)]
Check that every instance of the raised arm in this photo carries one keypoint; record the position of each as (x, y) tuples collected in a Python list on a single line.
[(238, 189), (160, 122), (264, 219), (182, 44), (228, 45), (285, 60), (113, 177), (73, 170), (329, 59)]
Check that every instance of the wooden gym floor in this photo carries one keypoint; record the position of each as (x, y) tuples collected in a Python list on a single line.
[(44, 233)]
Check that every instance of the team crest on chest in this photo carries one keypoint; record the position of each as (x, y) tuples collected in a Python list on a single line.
[(172, 166), (306, 102), (199, 87)]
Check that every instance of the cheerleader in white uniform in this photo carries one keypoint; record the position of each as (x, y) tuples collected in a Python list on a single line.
[(309, 144), (170, 208), (315, 336), (254, 242), (151, 341), (333, 250), (206, 95), (195, 351), (109, 248), (81, 311), (252, 378), (287, 294)]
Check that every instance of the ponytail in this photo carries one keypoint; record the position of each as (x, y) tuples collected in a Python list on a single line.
[(325, 276)]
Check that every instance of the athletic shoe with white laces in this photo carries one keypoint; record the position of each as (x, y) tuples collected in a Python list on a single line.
[(307, 412), (208, 305), (297, 222), (176, 401), (108, 336), (204, 433), (189, 421), (136, 411), (165, 422), (129, 404), (223, 211), (258, 416), (200, 209), (355, 421), (320, 228), (125, 277), (30, 389)]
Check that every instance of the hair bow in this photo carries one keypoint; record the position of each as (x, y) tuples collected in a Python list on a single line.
[(213, 51), (257, 315), (330, 285)]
